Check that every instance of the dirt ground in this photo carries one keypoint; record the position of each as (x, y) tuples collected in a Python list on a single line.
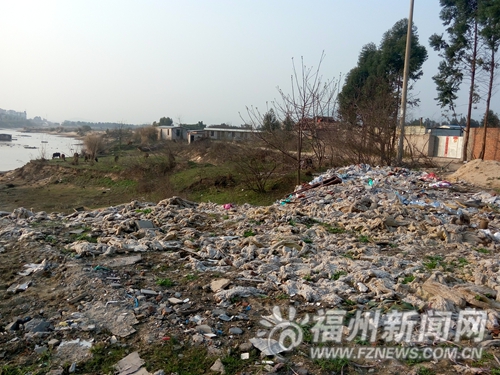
[(484, 173)]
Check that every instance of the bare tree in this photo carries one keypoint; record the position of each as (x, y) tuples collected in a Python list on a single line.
[(310, 98), (94, 143), (256, 165)]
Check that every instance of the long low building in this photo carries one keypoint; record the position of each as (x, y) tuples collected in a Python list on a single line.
[(229, 134), (173, 133)]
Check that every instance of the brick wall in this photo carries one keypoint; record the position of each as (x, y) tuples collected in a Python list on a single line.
[(492, 143)]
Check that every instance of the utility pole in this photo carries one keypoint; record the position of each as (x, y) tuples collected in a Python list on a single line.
[(405, 87)]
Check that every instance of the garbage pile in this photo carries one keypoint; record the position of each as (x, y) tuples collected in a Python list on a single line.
[(205, 274)]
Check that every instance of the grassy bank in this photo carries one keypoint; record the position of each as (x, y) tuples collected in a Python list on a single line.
[(124, 173)]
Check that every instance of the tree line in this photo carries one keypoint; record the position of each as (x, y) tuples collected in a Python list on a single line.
[(356, 118)]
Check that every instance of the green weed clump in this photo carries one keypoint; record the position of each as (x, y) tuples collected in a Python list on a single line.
[(165, 282)]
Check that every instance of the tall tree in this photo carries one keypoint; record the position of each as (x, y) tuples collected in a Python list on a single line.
[(166, 121), (371, 95), (460, 56), (489, 18), (491, 119), (270, 123)]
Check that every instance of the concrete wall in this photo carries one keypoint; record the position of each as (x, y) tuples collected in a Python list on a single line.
[(419, 145), (492, 143), (448, 147)]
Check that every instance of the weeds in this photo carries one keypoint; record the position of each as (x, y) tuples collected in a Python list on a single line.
[(191, 277), (103, 359), (425, 371), (331, 229), (336, 364), (51, 239), (338, 274), (433, 261), (358, 340), (482, 250), (408, 279), (249, 233), (86, 237), (364, 239), (349, 255), (175, 358), (485, 358), (165, 282)]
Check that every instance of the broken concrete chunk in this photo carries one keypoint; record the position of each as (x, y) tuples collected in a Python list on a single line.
[(144, 224), (122, 261), (218, 367), (219, 284), (130, 365), (238, 291)]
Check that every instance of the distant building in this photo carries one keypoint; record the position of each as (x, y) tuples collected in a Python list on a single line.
[(5, 137), (196, 135), (229, 134), (12, 116), (172, 133)]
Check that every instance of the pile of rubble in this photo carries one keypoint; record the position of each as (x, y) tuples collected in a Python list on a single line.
[(355, 238)]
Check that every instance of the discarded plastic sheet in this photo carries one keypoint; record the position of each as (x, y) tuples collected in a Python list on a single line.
[(267, 346), (33, 268)]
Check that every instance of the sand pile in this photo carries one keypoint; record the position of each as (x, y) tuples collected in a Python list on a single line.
[(485, 173)]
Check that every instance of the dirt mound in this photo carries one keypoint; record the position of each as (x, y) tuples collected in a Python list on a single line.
[(485, 173)]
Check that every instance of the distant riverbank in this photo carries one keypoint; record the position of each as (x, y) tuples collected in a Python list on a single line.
[(26, 146)]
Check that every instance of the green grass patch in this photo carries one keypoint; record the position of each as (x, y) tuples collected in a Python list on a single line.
[(165, 282), (482, 250), (307, 240), (338, 274), (425, 371), (191, 277), (233, 364), (337, 364), (249, 233), (462, 261), (408, 279), (103, 359), (348, 254), (85, 237), (174, 358), (433, 261), (332, 229), (11, 370), (364, 239)]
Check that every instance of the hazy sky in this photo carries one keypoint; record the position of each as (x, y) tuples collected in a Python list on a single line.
[(206, 60)]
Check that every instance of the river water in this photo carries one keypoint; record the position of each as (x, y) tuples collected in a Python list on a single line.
[(30, 146)]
